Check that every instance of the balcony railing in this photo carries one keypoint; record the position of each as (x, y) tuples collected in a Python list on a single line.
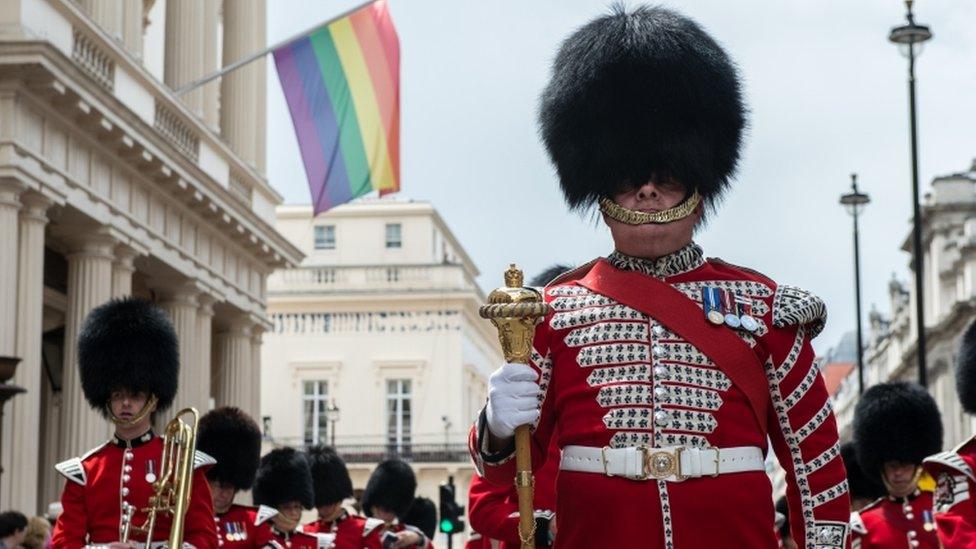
[(440, 277)]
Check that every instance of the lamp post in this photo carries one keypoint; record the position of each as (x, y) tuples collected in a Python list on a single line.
[(332, 415), (854, 202), (907, 37), (8, 366)]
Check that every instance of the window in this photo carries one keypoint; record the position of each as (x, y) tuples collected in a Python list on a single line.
[(398, 415), (325, 237), (393, 236), (314, 404)]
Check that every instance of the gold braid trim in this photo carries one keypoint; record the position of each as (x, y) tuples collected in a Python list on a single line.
[(632, 217)]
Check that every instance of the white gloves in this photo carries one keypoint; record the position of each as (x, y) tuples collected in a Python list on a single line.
[(513, 399)]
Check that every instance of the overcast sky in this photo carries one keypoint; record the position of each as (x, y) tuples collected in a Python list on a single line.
[(827, 94)]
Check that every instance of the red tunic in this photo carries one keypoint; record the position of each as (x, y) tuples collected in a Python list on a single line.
[(295, 540), (349, 531), (612, 375), (493, 508), (895, 524), (242, 526), (955, 494), (105, 479), (400, 527)]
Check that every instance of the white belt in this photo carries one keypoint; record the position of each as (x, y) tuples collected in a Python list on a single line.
[(674, 463)]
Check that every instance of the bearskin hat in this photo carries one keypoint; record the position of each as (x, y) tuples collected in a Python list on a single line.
[(283, 476), (859, 484), (548, 275), (966, 370), (895, 421), (422, 514), (128, 343), (391, 486), (330, 478), (642, 93), (232, 438)]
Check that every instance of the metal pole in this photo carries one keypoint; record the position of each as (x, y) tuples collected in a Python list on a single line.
[(918, 254), (857, 299), (450, 535)]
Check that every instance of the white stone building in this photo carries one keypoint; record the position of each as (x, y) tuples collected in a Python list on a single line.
[(381, 321), (949, 240), (111, 185)]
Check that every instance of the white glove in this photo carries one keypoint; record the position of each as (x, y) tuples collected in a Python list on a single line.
[(513, 399)]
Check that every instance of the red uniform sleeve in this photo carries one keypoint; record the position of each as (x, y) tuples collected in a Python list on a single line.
[(71, 528), (263, 536), (200, 530), (803, 433), (955, 496), (490, 513)]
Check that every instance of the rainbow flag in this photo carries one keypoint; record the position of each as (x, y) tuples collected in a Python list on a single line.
[(342, 85)]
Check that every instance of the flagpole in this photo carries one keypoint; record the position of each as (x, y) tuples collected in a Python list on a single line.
[(258, 55)]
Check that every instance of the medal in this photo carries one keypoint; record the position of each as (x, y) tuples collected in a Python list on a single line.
[(150, 472), (731, 317), (745, 314), (712, 304)]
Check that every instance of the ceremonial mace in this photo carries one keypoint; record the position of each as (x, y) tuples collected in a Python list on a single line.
[(515, 311)]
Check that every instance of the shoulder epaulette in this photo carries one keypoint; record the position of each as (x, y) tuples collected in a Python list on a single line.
[(201, 459), (857, 525), (264, 513), (951, 460), (72, 470), (371, 524), (573, 274), (794, 306)]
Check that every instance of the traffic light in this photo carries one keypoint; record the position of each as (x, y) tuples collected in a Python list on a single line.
[(452, 514)]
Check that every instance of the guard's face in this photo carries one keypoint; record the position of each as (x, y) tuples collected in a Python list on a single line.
[(328, 513), (652, 240), (223, 495), (383, 514), (900, 478), (291, 510), (126, 404)]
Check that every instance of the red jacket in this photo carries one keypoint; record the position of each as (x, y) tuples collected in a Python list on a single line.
[(350, 531), (120, 473), (895, 524), (242, 527), (295, 540), (955, 494), (400, 527), (493, 508), (608, 372)]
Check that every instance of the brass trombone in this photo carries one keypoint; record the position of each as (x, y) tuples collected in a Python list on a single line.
[(171, 491)]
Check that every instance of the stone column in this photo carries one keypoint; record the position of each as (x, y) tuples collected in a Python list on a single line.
[(211, 91), (241, 91), (234, 379), (183, 58), (132, 27), (23, 415), (122, 270), (89, 285), (10, 190), (107, 13), (204, 348), (257, 332), (260, 80), (180, 302)]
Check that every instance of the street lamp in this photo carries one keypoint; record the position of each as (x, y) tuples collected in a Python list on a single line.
[(907, 37), (854, 202), (332, 415), (8, 365)]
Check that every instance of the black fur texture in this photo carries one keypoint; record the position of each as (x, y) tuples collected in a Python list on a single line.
[(548, 275), (330, 478), (283, 476), (640, 94), (859, 484), (130, 344), (232, 438), (895, 421), (423, 515), (966, 370), (391, 486)]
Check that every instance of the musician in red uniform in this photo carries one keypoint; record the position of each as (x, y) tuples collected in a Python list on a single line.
[(388, 496), (284, 483), (896, 425), (863, 489), (234, 440), (955, 492), (332, 485), (662, 374), (128, 361)]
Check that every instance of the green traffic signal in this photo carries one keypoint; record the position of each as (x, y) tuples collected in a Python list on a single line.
[(447, 526)]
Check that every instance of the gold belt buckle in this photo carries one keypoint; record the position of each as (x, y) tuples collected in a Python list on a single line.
[(661, 464)]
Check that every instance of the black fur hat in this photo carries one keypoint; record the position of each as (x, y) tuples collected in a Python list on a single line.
[(283, 476), (966, 370), (423, 515), (232, 438), (859, 484), (548, 275), (391, 486), (128, 343), (330, 478), (642, 93), (895, 421)]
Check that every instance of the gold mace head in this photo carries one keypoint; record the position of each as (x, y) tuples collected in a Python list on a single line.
[(515, 310)]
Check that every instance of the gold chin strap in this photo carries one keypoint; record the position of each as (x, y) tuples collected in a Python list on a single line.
[(632, 217), (146, 410)]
